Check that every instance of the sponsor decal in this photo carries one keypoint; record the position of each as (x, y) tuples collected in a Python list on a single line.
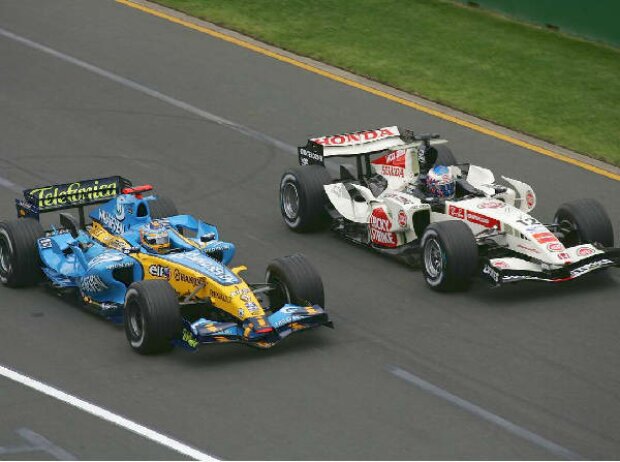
[(45, 243), (456, 212), (395, 159), (530, 199), (491, 272), (501, 264), (555, 247), (210, 267), (119, 266), (391, 170), (422, 154), (535, 229), (289, 309), (473, 217), (585, 251), (310, 155), (189, 338), (379, 225), (252, 307), (220, 296), (529, 249), (158, 271), (491, 205), (243, 291), (564, 256), (93, 283), (64, 195), (241, 313), (402, 219), (590, 267), (105, 257), (398, 198), (120, 210), (544, 238), (182, 277), (348, 139), (110, 222)]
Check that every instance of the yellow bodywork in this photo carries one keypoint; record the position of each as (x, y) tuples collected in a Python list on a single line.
[(236, 299)]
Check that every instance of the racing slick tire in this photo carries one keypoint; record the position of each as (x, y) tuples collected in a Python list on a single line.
[(296, 281), (584, 221), (20, 265), (162, 207), (152, 316), (449, 256), (444, 155), (303, 199)]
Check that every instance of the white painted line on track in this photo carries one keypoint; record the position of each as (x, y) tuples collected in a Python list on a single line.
[(153, 93), (553, 448), (106, 415)]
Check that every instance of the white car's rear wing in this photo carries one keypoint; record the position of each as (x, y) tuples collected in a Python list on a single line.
[(353, 144)]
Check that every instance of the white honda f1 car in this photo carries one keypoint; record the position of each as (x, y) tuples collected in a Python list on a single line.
[(405, 194)]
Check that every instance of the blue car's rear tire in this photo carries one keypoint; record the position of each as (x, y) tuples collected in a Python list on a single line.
[(20, 265), (152, 316), (162, 207)]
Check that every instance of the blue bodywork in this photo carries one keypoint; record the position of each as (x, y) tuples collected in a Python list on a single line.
[(73, 259), (83, 263)]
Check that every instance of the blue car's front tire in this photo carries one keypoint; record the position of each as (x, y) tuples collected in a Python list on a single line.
[(152, 316)]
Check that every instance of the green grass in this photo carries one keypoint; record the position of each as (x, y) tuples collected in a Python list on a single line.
[(560, 89)]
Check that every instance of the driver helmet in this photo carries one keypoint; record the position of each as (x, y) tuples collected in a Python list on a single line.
[(154, 236), (440, 182)]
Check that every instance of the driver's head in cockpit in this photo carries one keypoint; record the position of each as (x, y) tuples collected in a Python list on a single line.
[(441, 182), (155, 238)]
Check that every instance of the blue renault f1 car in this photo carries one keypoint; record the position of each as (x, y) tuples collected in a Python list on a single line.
[(164, 275)]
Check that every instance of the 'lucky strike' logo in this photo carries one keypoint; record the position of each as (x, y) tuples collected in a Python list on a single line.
[(555, 247), (348, 139), (379, 226)]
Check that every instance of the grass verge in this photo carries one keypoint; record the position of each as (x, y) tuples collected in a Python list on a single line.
[(557, 88)]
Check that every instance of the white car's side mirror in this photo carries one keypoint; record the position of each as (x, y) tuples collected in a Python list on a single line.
[(526, 198)]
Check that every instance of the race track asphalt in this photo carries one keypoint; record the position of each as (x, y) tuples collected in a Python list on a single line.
[(543, 358)]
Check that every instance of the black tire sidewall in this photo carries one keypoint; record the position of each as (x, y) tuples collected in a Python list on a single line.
[(299, 278), (308, 181), (161, 320), (22, 235), (459, 255), (590, 219), (432, 235), (290, 178)]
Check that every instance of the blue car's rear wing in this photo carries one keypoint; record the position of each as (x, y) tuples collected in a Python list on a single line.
[(77, 194)]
